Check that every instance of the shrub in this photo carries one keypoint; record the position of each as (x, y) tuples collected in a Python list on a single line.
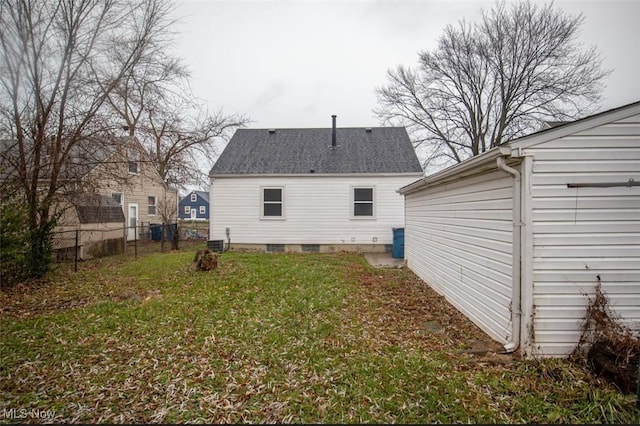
[(24, 253), (614, 350), (14, 243)]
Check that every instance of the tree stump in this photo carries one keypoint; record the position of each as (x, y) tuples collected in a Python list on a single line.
[(205, 260)]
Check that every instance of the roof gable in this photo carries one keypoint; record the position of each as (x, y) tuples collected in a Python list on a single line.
[(561, 129), (474, 164), (305, 151), (201, 196)]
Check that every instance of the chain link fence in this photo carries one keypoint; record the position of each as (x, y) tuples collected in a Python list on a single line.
[(82, 244)]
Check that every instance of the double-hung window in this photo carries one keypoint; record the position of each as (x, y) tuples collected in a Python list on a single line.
[(272, 203), (118, 198), (194, 198), (133, 159), (152, 205), (363, 203)]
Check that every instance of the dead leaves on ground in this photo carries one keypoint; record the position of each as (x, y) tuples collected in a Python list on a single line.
[(403, 307), (230, 347)]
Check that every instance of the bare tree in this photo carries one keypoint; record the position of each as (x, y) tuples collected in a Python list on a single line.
[(157, 106), (181, 141), (59, 62), (489, 82)]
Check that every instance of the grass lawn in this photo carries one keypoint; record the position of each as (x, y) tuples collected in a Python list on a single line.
[(267, 338)]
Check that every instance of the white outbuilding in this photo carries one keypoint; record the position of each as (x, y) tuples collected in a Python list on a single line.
[(519, 237)]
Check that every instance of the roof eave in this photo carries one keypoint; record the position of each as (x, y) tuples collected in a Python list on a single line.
[(262, 175), (472, 165)]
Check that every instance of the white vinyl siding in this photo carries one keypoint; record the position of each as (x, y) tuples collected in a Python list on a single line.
[(459, 239), (586, 232), (318, 210)]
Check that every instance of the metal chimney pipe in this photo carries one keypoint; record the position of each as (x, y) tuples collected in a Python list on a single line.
[(333, 133)]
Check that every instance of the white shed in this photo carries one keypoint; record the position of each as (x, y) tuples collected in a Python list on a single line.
[(519, 237)]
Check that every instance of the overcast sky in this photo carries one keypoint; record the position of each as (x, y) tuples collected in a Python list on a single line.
[(294, 63)]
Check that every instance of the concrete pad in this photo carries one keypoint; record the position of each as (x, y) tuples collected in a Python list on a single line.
[(383, 260)]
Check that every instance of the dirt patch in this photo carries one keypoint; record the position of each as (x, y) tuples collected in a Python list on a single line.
[(142, 296)]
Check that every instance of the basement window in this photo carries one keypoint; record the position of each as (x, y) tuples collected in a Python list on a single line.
[(275, 248), (311, 248)]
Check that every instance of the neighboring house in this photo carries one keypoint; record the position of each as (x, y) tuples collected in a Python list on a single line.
[(519, 237), (92, 221), (129, 178), (194, 206), (100, 179), (321, 189)]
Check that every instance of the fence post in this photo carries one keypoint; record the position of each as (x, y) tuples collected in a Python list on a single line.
[(162, 236), (75, 266), (135, 241)]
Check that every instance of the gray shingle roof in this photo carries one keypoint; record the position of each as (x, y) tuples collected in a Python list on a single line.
[(95, 208), (203, 194), (303, 151)]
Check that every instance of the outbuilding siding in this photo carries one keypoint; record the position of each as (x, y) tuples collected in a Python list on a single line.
[(580, 234), (576, 225), (459, 239)]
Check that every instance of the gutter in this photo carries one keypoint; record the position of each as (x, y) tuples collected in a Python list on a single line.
[(516, 309)]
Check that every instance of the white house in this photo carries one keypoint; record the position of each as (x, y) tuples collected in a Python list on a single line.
[(320, 189), (518, 238)]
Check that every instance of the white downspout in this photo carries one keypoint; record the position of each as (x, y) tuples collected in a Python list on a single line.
[(516, 311)]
